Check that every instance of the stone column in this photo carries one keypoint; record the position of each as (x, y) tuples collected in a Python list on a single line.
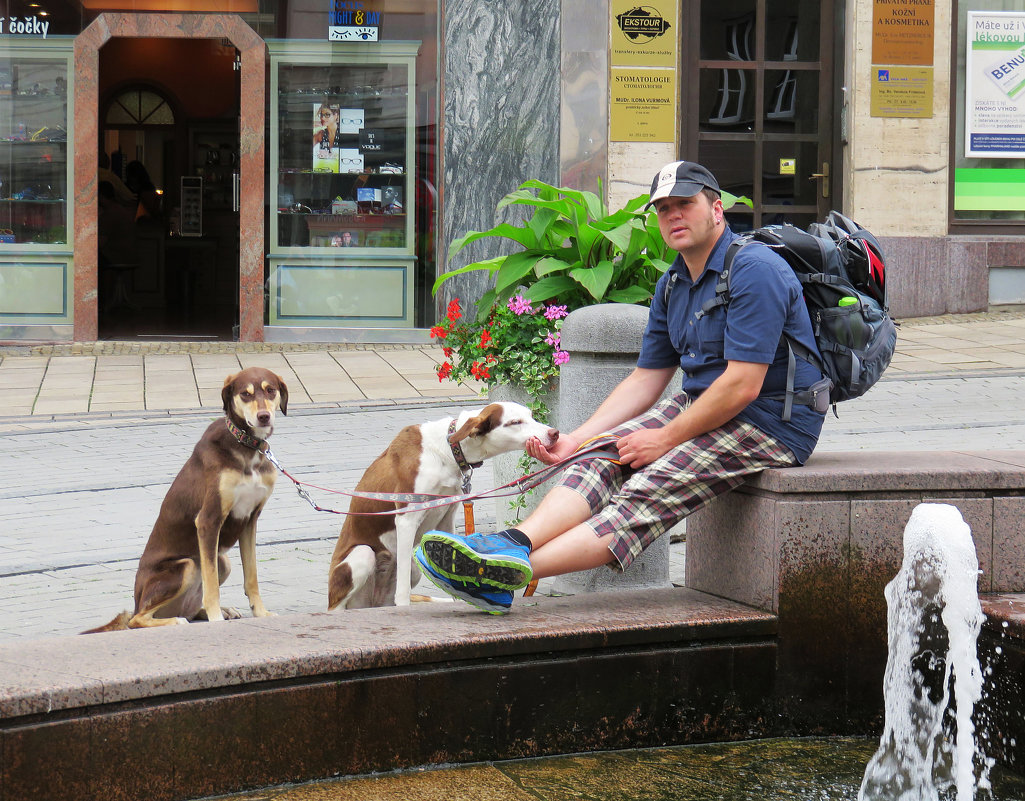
[(603, 342)]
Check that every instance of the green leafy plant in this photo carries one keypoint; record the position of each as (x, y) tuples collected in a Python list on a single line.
[(574, 250)]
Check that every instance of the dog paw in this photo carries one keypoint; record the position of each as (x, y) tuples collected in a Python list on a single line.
[(264, 613), (230, 613), (181, 621)]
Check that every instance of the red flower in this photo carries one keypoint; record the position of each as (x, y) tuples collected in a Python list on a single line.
[(444, 371), (454, 312), (479, 371), (485, 338), (448, 352), (439, 331)]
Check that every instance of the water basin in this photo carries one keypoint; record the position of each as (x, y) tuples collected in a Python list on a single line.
[(806, 769)]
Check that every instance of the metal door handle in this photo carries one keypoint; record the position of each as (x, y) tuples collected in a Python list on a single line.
[(236, 194), (823, 174)]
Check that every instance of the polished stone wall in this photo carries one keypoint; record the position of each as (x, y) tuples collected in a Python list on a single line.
[(501, 118)]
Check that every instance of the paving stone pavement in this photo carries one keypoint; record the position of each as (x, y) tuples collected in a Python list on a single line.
[(80, 488)]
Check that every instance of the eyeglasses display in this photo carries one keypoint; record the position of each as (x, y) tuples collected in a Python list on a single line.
[(33, 151), (342, 129), (342, 246)]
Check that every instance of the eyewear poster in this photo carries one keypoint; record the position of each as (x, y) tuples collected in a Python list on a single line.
[(325, 137), (995, 85)]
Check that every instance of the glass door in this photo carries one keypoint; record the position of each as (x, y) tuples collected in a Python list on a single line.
[(760, 113)]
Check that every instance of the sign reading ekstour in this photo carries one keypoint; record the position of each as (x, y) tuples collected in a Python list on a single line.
[(643, 35)]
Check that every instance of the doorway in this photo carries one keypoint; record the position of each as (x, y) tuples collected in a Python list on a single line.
[(168, 118), (760, 114)]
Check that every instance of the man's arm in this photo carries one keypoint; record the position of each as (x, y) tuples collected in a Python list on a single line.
[(633, 395), (724, 399)]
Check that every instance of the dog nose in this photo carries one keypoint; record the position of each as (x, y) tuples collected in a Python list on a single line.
[(263, 418), (553, 434)]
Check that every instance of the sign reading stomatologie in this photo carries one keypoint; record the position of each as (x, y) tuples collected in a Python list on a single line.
[(995, 85), (642, 105)]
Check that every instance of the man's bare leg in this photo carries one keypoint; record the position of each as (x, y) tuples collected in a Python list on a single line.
[(560, 543)]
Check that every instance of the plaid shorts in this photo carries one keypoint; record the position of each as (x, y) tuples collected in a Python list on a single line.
[(638, 506)]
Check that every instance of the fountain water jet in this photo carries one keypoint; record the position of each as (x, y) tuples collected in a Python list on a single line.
[(932, 678)]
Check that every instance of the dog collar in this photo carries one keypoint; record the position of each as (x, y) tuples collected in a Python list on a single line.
[(244, 439), (457, 450)]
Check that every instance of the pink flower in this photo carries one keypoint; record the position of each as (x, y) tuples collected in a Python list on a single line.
[(519, 305), (555, 312), (553, 339), (560, 357)]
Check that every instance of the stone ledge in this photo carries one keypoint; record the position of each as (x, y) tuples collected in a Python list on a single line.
[(901, 471), (53, 674), (202, 710)]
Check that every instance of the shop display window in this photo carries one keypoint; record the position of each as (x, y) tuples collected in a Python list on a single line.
[(344, 155), (33, 150)]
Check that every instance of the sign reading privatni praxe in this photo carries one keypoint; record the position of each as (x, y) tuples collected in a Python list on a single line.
[(995, 85), (352, 21)]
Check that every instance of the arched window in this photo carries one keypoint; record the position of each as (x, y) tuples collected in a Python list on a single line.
[(139, 106)]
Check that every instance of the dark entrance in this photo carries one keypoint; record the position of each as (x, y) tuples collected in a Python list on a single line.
[(760, 114), (168, 119)]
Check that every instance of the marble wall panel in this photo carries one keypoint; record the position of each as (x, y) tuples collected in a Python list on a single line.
[(501, 119), (1008, 570)]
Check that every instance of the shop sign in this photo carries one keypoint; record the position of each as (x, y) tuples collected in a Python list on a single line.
[(902, 92), (995, 85), (643, 35), (24, 26), (642, 105), (903, 32), (352, 22)]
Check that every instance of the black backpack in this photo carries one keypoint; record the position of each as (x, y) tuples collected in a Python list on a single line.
[(842, 270)]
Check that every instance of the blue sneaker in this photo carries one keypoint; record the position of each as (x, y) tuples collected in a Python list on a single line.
[(478, 559), (492, 601)]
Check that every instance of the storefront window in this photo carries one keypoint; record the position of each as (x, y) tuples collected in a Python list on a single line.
[(350, 215), (989, 110)]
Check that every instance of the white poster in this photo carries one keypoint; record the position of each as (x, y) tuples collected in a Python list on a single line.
[(995, 85)]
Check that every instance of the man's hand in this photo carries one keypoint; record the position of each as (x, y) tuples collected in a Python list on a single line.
[(643, 447), (564, 447)]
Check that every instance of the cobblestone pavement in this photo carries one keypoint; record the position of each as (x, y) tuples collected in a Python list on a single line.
[(79, 490)]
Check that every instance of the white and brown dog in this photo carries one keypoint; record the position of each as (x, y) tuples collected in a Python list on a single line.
[(373, 561), (213, 503)]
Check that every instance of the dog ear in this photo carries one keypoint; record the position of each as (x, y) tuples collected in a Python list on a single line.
[(226, 392), (465, 430), (283, 390), (478, 425)]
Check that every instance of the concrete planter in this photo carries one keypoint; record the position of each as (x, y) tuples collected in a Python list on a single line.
[(603, 342), (506, 465)]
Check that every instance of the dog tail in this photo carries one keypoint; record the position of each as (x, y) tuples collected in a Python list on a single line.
[(119, 623)]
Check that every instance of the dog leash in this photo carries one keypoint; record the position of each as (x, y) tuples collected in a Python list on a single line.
[(416, 502)]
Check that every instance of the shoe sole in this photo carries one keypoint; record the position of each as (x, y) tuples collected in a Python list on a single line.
[(478, 603), (454, 560)]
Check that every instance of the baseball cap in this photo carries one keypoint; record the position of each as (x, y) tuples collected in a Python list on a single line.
[(681, 179)]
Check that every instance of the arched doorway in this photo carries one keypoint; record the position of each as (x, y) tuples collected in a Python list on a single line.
[(224, 28)]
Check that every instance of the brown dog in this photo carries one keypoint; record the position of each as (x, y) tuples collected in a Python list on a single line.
[(213, 503)]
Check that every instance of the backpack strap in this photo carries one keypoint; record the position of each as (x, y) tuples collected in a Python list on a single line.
[(722, 288)]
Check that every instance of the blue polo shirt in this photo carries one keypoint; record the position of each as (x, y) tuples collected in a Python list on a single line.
[(765, 299)]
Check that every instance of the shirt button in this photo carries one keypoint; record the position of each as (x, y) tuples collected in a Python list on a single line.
[(691, 354)]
